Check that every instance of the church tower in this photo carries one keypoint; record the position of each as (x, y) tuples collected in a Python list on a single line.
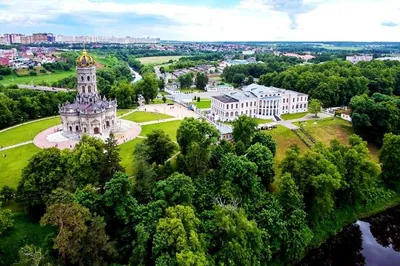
[(89, 113), (86, 75)]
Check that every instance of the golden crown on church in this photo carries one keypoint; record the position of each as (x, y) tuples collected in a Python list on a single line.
[(84, 60)]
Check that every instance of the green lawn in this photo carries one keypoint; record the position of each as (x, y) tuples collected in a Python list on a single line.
[(140, 116), (156, 60), (126, 152), (204, 104), (284, 138), (11, 166), (263, 121), (293, 116), (329, 129), (158, 101), (48, 78), (123, 111), (25, 232), (26, 132), (169, 127)]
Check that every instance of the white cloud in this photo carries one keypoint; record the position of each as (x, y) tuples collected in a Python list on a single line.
[(252, 20)]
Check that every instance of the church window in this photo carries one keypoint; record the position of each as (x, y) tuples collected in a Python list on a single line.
[(88, 78), (89, 89), (70, 128), (77, 128), (82, 78)]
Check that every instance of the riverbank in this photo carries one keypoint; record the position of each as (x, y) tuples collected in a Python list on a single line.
[(341, 218)]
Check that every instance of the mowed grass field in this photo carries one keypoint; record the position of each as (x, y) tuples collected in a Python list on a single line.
[(293, 116), (263, 121), (284, 138), (126, 154), (123, 111), (156, 60), (169, 127), (48, 78), (11, 166), (26, 132), (203, 104), (329, 129), (140, 116)]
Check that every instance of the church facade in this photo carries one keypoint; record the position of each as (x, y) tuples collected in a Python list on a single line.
[(89, 113)]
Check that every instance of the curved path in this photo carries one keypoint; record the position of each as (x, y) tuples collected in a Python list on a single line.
[(53, 137)]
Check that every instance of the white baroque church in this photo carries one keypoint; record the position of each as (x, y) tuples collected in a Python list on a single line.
[(89, 113)]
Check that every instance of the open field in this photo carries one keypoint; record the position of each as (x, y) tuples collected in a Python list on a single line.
[(25, 232), (344, 48), (140, 116), (169, 127), (158, 101), (26, 132), (105, 61), (11, 166), (328, 129), (204, 104), (263, 121), (293, 116), (156, 60), (126, 154), (48, 78), (284, 138), (123, 111)]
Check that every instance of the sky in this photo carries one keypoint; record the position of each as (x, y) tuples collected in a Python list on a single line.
[(208, 20)]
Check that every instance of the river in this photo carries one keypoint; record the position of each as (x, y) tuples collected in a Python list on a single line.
[(136, 76), (374, 241)]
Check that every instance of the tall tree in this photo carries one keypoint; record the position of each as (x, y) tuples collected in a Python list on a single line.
[(389, 157), (237, 240), (201, 80), (264, 159), (266, 140), (147, 87), (159, 146), (315, 107), (80, 237), (45, 172), (244, 128), (112, 160), (186, 80), (193, 130), (177, 189), (176, 241)]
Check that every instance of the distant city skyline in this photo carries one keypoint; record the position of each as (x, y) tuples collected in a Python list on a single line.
[(208, 20)]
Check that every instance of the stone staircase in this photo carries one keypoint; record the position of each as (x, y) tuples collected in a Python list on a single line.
[(307, 139)]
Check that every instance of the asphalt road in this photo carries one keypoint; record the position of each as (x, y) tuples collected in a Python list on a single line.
[(42, 88)]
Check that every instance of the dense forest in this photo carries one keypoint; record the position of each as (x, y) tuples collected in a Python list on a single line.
[(373, 117), (19, 105), (334, 83), (217, 203)]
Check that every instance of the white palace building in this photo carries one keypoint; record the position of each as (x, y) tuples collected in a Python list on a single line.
[(257, 101)]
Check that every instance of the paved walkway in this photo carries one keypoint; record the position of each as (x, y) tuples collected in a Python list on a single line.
[(289, 123), (52, 137), (16, 145), (29, 122)]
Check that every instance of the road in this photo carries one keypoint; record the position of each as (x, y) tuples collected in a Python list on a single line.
[(43, 88)]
